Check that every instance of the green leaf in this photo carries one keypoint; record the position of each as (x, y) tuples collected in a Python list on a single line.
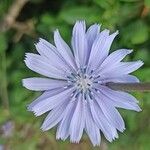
[(90, 14), (147, 3), (126, 12), (104, 3), (140, 30), (47, 19), (136, 32)]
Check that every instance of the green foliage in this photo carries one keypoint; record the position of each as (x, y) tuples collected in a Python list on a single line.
[(147, 3), (3, 41), (71, 14), (136, 32), (130, 17)]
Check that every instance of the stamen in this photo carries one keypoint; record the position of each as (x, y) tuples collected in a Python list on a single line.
[(97, 77), (90, 95), (92, 71), (77, 94)]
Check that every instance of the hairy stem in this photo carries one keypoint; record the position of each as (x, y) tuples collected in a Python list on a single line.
[(129, 86)]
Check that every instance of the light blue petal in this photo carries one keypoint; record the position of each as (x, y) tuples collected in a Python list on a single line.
[(78, 121), (49, 103), (79, 43), (100, 49), (121, 68), (46, 49), (108, 130), (120, 99), (90, 127), (114, 58), (42, 66), (64, 49), (54, 117), (91, 35), (110, 112), (43, 84), (45, 95), (63, 128), (120, 94), (118, 79)]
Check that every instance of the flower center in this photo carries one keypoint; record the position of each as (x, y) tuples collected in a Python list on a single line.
[(83, 83)]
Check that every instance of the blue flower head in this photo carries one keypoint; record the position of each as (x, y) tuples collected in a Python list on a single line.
[(75, 91)]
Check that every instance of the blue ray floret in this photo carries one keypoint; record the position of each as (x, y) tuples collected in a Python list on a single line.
[(75, 91)]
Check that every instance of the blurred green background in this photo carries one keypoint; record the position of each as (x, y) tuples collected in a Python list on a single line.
[(22, 22)]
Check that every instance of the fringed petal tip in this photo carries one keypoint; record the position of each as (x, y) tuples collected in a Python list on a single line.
[(60, 138), (141, 63), (40, 40), (43, 128), (25, 83), (30, 108), (74, 141), (138, 109), (129, 51), (117, 32), (96, 144), (36, 42), (22, 81), (28, 56), (79, 21)]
